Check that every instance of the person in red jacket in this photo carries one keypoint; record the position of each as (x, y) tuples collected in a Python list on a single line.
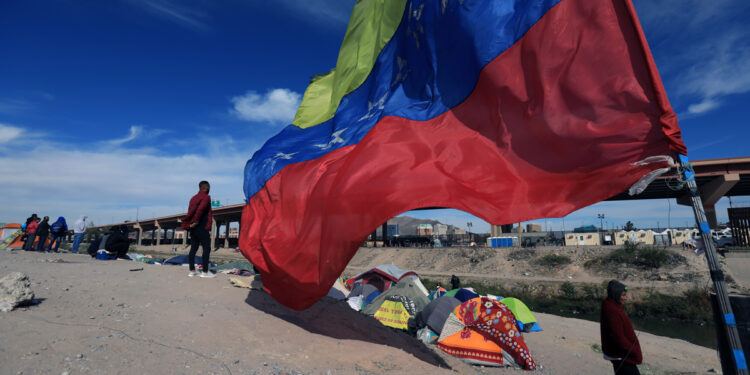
[(198, 221), (619, 342), (32, 224)]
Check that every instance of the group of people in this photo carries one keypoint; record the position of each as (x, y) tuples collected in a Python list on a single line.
[(116, 242), (37, 230)]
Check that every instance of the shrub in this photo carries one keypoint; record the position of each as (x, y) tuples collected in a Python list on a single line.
[(567, 290), (553, 260), (635, 255)]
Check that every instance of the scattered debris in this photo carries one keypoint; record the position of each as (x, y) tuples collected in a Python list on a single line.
[(252, 282)]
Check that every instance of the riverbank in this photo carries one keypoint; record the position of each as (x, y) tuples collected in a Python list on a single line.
[(566, 281), (99, 317)]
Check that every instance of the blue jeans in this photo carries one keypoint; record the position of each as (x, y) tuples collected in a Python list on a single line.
[(40, 243), (55, 240), (77, 238)]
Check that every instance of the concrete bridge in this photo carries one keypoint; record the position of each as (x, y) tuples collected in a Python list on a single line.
[(716, 178), (168, 227)]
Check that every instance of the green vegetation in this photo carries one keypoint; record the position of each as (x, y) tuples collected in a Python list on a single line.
[(629, 226), (567, 290), (584, 301), (553, 260), (694, 305), (638, 256), (596, 348)]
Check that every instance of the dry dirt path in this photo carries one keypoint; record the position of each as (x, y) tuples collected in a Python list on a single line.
[(99, 317)]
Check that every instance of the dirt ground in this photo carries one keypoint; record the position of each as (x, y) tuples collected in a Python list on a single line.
[(108, 317)]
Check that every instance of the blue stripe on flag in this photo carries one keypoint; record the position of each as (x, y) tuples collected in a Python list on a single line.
[(414, 77)]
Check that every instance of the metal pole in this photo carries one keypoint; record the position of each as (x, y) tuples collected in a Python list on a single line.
[(716, 273)]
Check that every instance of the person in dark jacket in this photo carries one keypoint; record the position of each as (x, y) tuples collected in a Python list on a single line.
[(198, 221), (58, 230), (42, 231), (619, 343), (118, 242)]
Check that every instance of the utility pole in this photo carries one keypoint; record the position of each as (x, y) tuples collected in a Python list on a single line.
[(601, 225)]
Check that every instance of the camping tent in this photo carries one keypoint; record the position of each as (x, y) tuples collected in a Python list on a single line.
[(395, 306), (395, 311), (11, 233), (436, 313), (462, 294), (525, 319), (407, 288), (382, 277), (338, 290), (492, 321), (439, 292)]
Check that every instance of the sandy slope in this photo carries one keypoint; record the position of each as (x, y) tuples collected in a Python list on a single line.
[(99, 317)]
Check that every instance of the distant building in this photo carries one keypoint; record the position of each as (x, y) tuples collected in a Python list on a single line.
[(440, 229), (458, 231), (234, 232), (582, 239), (645, 237), (424, 230), (586, 228), (533, 227), (392, 230), (498, 230)]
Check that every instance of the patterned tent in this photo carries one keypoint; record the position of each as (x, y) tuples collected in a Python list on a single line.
[(475, 325)]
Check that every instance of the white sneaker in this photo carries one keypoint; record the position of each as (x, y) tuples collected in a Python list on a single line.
[(192, 273), (208, 274)]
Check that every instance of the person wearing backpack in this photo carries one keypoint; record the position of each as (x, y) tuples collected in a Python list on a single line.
[(58, 229), (41, 233)]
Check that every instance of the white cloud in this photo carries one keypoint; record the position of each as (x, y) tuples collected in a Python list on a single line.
[(9, 133), (14, 106), (706, 105), (135, 131), (275, 106), (177, 13), (702, 49), (327, 12), (109, 182)]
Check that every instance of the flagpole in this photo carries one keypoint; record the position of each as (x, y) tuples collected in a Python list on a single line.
[(717, 275)]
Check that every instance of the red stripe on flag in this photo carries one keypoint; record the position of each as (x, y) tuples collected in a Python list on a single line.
[(554, 124)]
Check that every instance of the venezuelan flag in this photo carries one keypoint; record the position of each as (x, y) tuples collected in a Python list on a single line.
[(510, 110)]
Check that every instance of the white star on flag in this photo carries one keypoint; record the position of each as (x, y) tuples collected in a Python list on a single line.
[(335, 138)]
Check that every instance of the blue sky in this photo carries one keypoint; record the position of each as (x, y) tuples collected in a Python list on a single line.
[(115, 108)]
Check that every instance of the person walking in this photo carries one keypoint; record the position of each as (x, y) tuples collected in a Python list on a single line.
[(619, 343), (41, 233), (198, 221), (58, 229), (32, 224), (79, 229)]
